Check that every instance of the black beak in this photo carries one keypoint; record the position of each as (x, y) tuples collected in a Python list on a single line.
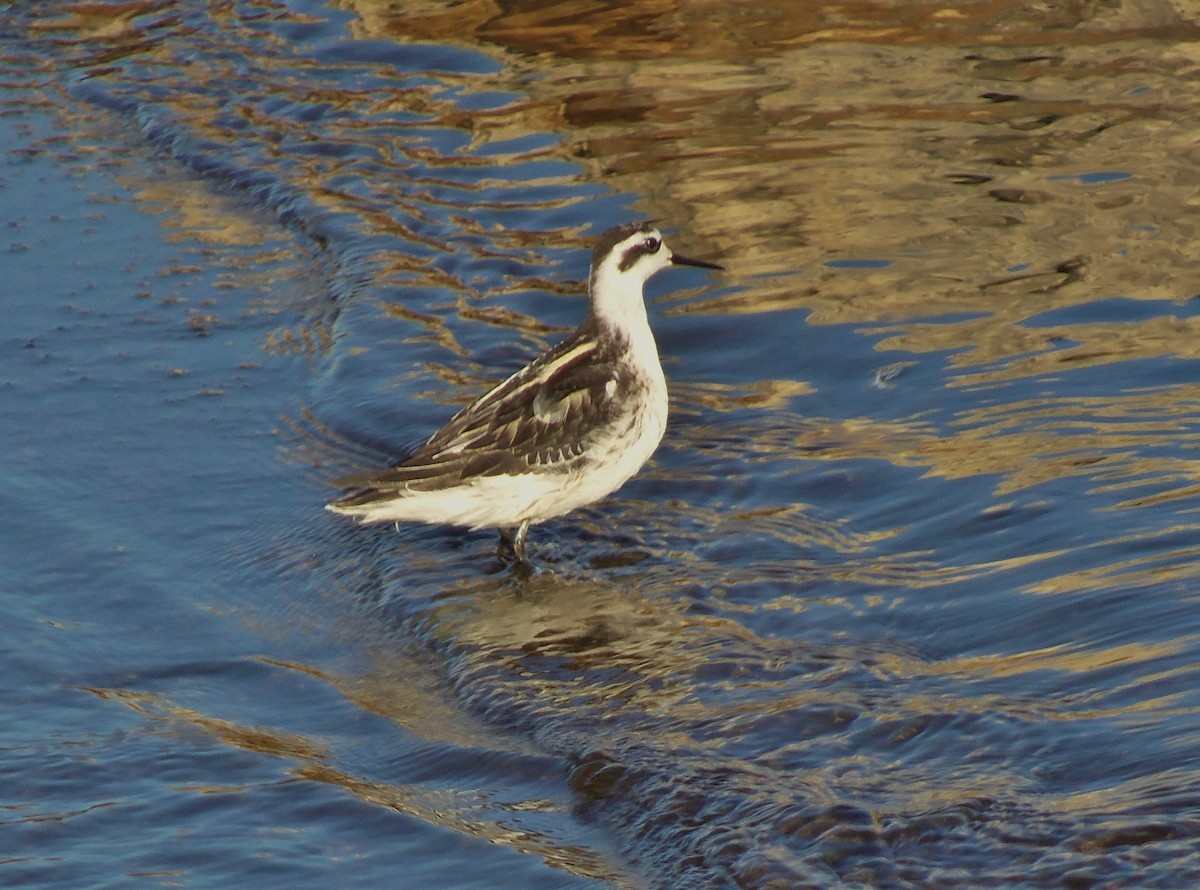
[(688, 261)]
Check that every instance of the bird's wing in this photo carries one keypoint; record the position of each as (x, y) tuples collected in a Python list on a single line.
[(544, 414)]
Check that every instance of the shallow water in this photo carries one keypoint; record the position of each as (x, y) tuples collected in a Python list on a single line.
[(908, 597)]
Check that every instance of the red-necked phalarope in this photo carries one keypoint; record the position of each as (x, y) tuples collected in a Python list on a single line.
[(566, 430)]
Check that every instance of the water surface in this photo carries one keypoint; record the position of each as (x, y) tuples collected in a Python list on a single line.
[(906, 599)]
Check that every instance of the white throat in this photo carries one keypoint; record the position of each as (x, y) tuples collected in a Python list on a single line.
[(620, 309), (618, 302)]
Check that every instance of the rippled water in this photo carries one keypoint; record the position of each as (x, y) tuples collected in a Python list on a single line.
[(908, 597)]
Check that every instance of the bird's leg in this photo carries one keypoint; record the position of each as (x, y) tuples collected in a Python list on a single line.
[(518, 544), (512, 543)]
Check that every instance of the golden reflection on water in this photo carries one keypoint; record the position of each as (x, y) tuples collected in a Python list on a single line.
[(1167, 564), (192, 212), (460, 813), (1065, 658), (170, 717), (1013, 351)]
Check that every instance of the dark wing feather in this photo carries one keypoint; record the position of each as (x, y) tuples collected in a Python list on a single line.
[(543, 414)]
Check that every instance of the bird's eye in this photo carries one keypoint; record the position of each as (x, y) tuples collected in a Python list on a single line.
[(652, 245)]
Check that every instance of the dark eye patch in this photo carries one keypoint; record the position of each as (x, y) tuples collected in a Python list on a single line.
[(646, 247)]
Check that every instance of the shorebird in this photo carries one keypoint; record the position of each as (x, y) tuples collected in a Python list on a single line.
[(566, 430)]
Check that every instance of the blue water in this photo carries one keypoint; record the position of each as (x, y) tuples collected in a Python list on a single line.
[(906, 599)]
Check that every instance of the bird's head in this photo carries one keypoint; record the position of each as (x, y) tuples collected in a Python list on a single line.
[(622, 261)]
